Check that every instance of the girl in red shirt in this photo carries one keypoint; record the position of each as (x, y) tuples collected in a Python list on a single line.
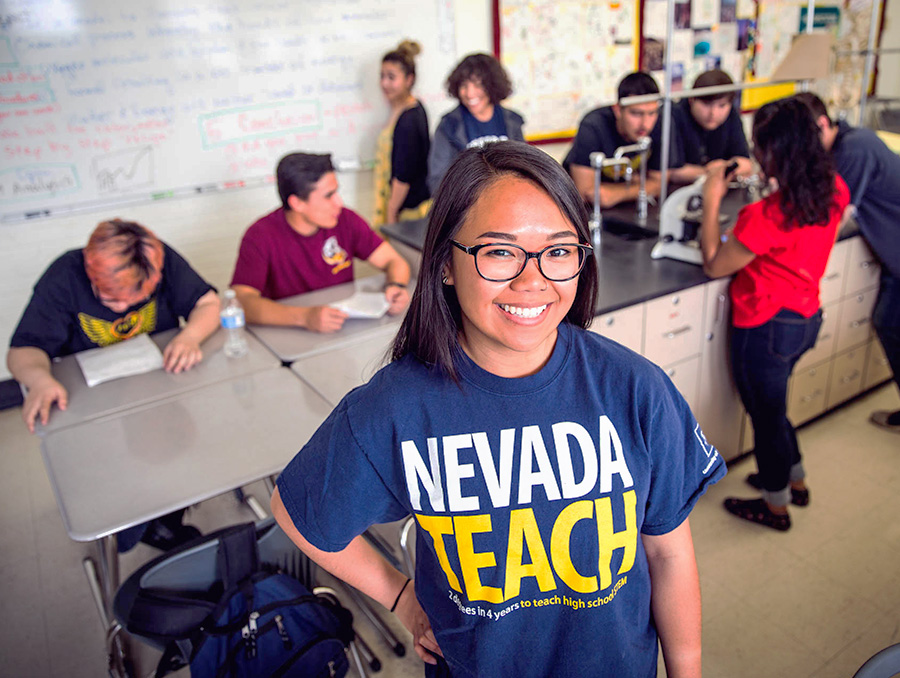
[(778, 251)]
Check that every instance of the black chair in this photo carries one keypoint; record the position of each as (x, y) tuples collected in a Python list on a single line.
[(193, 569)]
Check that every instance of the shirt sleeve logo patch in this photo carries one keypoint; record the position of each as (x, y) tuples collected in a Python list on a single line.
[(335, 256), (105, 332), (711, 452)]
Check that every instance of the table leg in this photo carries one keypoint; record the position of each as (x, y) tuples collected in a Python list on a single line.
[(103, 580)]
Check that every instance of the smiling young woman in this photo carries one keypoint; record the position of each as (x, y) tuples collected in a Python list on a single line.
[(550, 471)]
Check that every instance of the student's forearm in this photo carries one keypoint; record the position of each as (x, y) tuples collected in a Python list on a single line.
[(28, 365), (675, 602), (262, 311), (399, 191), (358, 564), (397, 270), (686, 174), (203, 319)]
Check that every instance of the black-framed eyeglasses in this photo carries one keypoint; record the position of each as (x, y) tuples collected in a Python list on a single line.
[(502, 262)]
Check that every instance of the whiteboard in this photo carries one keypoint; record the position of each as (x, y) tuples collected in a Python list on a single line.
[(109, 102)]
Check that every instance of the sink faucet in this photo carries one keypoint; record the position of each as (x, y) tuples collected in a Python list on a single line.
[(598, 162), (642, 148)]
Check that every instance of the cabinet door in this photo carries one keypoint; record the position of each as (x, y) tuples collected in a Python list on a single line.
[(719, 408), (825, 342), (855, 322), (846, 376), (832, 285), (863, 269), (808, 393), (686, 376), (673, 326), (878, 369), (625, 326)]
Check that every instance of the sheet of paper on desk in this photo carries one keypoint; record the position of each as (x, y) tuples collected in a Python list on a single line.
[(133, 356), (363, 305)]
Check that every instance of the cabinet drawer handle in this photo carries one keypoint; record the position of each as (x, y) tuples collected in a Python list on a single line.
[(610, 322), (812, 396), (856, 324), (832, 276), (853, 376), (675, 333)]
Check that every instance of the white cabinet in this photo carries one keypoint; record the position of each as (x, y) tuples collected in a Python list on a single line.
[(686, 376), (625, 326), (855, 323), (673, 326), (807, 391), (719, 408), (846, 376), (878, 369)]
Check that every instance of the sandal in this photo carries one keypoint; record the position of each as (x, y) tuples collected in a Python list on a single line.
[(758, 511), (798, 497)]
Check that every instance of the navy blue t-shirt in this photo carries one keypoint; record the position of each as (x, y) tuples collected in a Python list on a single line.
[(65, 317), (477, 132), (530, 497), (872, 173)]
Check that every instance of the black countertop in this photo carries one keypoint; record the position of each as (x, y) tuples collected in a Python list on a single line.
[(628, 275)]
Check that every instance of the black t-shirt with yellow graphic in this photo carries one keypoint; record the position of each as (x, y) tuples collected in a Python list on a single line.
[(65, 317)]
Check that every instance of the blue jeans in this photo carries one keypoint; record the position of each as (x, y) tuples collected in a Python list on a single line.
[(886, 319), (763, 358)]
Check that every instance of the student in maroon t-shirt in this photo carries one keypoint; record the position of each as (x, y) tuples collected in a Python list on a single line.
[(778, 252), (307, 244)]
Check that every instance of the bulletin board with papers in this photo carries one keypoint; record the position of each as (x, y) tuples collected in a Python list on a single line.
[(564, 58)]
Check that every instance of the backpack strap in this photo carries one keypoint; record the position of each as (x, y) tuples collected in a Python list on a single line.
[(237, 557)]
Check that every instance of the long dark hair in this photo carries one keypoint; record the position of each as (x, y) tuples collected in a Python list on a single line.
[(434, 319), (787, 145)]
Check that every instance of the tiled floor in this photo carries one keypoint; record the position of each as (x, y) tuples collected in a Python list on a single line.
[(813, 602)]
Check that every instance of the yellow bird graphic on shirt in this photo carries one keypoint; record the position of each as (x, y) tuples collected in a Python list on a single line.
[(106, 332)]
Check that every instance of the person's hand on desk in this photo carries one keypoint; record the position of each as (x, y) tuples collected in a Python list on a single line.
[(41, 396), (182, 353), (397, 296), (324, 319)]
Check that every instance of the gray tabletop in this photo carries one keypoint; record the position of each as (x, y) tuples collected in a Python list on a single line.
[(348, 366), (88, 402), (124, 469), (293, 343)]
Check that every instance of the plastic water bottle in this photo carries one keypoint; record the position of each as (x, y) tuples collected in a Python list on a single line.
[(232, 317)]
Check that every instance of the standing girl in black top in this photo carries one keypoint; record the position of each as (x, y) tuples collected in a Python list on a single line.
[(401, 156)]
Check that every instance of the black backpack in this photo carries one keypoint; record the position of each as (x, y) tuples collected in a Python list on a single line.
[(249, 619)]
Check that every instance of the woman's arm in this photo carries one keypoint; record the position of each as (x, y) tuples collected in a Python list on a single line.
[(675, 599), (719, 258), (360, 566), (399, 191)]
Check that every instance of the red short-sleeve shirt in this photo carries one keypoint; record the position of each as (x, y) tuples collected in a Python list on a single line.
[(789, 263), (279, 262)]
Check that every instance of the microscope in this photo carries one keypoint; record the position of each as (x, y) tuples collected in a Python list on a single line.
[(682, 213), (621, 164)]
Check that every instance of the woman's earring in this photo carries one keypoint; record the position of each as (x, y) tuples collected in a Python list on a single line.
[(445, 279)]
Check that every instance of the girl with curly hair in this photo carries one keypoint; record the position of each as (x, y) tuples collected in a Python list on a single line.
[(778, 251)]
